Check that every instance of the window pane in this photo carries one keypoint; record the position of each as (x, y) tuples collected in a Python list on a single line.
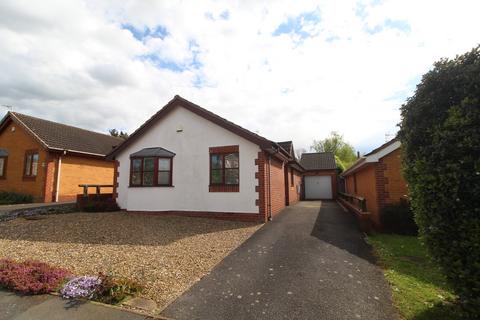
[(35, 164), (148, 178), (136, 178), (2, 164), (136, 164), (164, 164), (28, 165), (217, 176), (231, 176), (231, 160), (148, 164), (216, 161), (164, 178)]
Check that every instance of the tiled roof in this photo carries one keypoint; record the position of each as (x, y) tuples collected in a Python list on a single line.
[(318, 161), (59, 136), (179, 101), (383, 146), (153, 152), (286, 145)]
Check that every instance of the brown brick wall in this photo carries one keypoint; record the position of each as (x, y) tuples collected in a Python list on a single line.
[(79, 170), (367, 188), (293, 194), (395, 185), (16, 143), (271, 192), (349, 184), (277, 178)]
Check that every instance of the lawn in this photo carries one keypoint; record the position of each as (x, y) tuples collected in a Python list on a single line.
[(420, 291), (167, 254)]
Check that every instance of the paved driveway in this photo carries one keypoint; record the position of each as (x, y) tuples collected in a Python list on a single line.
[(310, 262)]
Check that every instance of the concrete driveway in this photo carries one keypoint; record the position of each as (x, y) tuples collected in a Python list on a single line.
[(310, 262)]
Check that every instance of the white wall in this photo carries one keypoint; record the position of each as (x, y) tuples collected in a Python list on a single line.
[(190, 168)]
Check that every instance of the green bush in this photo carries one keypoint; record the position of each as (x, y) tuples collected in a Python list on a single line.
[(14, 198), (399, 219), (440, 134), (113, 290)]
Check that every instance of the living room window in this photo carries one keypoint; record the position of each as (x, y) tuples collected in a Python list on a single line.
[(150, 172), (31, 164)]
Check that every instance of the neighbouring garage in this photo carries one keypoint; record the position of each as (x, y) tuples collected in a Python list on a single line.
[(318, 187), (320, 177)]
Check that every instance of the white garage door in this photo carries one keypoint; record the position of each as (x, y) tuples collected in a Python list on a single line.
[(318, 187)]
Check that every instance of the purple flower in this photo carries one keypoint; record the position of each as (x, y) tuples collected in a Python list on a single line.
[(80, 287)]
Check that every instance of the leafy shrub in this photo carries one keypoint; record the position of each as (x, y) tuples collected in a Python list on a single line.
[(113, 290), (440, 134), (80, 287), (399, 219), (14, 198), (30, 277), (101, 205)]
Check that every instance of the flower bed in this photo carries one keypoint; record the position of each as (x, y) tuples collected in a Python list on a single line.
[(80, 287), (30, 277), (104, 288)]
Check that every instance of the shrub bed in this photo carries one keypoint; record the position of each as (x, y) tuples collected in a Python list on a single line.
[(30, 277), (100, 205), (14, 198), (440, 135), (399, 219), (113, 290)]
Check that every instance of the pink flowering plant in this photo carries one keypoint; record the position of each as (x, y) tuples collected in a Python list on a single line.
[(30, 277), (80, 287)]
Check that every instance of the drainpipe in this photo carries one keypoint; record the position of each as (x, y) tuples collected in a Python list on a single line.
[(59, 169), (269, 191)]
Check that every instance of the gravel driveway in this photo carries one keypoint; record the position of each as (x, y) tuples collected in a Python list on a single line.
[(165, 253)]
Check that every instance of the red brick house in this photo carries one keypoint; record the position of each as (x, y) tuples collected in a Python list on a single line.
[(187, 160), (377, 177), (48, 160)]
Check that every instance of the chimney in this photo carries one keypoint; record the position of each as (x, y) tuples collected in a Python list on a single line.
[(358, 154)]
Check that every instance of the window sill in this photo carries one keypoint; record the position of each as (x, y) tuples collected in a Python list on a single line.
[(29, 178), (223, 188), (130, 186)]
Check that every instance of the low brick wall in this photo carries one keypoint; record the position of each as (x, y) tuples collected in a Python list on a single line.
[(363, 218), (57, 208)]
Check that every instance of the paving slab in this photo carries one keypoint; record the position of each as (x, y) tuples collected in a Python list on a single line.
[(310, 262), (47, 307)]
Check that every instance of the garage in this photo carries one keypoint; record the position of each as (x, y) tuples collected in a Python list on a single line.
[(318, 187), (320, 176)]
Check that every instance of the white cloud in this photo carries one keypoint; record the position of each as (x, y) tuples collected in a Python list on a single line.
[(73, 61)]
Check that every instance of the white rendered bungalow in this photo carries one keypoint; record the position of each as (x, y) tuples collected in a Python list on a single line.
[(188, 160)]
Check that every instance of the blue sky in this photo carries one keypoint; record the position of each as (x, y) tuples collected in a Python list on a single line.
[(287, 70)]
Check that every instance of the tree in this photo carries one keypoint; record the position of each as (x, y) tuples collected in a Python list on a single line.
[(336, 144), (440, 135), (119, 134)]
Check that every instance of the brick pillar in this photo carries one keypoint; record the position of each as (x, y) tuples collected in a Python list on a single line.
[(261, 176), (116, 174)]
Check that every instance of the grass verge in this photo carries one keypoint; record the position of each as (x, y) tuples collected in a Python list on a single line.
[(419, 289)]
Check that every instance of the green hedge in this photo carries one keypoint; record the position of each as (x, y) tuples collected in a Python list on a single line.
[(14, 198), (440, 134)]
